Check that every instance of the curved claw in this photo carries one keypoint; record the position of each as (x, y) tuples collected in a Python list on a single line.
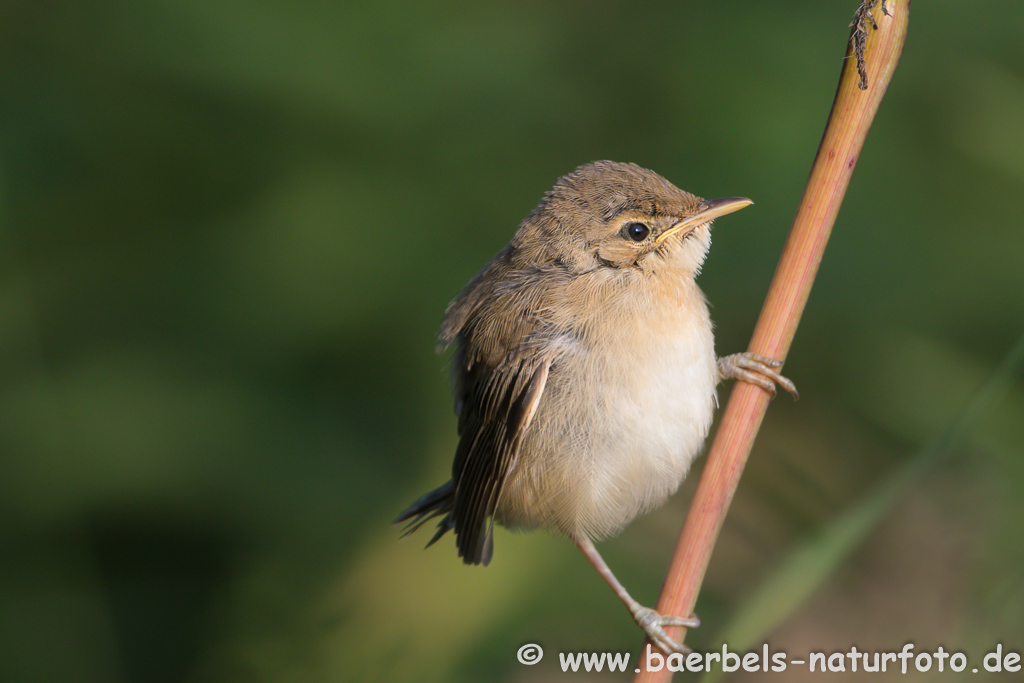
[(756, 369), (652, 622)]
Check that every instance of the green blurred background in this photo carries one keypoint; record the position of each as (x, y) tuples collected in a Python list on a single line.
[(228, 231)]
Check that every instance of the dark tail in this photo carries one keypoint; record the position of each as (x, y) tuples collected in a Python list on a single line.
[(440, 501)]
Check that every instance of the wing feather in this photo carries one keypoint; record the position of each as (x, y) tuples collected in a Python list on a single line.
[(489, 448), (500, 372)]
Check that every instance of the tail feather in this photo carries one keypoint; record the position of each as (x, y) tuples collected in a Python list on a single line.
[(479, 549), (440, 501)]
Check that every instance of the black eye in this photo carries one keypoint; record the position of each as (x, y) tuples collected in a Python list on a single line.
[(637, 232)]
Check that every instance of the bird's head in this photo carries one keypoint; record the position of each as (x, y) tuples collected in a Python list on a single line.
[(619, 215)]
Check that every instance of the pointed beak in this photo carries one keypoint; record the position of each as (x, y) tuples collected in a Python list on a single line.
[(707, 211)]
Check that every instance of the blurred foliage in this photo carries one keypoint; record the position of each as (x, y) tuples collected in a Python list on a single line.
[(229, 229)]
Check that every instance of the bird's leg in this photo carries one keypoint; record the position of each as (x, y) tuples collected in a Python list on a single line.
[(649, 620), (756, 369)]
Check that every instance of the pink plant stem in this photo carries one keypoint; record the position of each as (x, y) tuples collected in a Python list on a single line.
[(852, 113)]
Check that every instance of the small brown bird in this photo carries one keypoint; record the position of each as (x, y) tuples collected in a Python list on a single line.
[(585, 369)]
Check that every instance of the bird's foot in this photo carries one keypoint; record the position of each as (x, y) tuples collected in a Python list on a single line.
[(756, 369), (652, 623)]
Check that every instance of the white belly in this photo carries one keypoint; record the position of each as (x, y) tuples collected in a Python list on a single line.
[(619, 422)]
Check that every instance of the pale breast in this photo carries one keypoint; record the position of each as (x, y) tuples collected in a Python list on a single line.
[(627, 406)]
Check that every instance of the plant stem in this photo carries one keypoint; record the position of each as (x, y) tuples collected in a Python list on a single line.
[(852, 113)]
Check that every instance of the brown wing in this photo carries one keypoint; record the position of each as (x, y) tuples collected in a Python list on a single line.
[(500, 372), (496, 412)]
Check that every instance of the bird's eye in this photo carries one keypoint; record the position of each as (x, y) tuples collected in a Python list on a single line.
[(637, 232)]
